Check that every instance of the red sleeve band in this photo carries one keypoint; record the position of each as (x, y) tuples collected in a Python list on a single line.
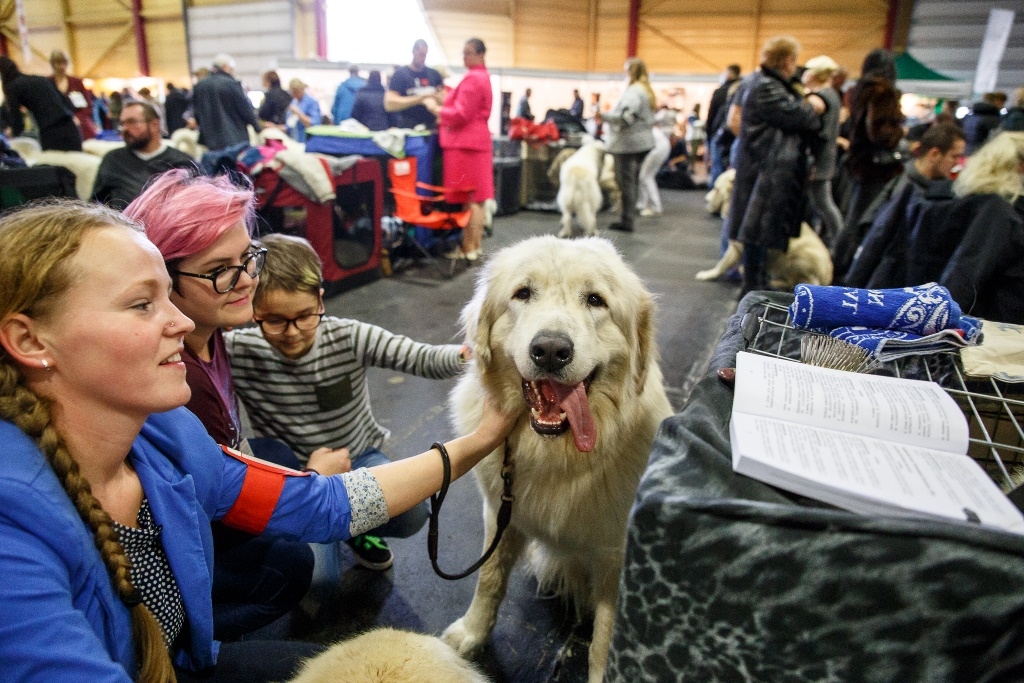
[(260, 492)]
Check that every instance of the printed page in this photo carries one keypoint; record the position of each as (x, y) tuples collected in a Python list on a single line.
[(869, 475), (903, 410)]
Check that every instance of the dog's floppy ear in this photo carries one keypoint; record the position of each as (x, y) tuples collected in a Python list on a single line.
[(477, 318), (644, 340)]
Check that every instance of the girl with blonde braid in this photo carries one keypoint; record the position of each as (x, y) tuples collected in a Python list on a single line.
[(108, 486)]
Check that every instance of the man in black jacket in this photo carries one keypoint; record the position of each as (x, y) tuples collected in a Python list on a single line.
[(221, 108), (768, 196)]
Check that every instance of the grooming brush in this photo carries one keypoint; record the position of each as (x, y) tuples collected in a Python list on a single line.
[(836, 354)]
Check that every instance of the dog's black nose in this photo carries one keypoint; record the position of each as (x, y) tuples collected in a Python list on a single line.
[(551, 351)]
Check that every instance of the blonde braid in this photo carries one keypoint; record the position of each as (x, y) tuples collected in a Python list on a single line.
[(31, 414)]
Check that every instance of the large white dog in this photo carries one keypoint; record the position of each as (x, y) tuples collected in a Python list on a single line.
[(564, 331), (579, 193)]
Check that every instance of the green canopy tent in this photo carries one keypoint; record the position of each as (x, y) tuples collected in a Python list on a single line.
[(915, 78)]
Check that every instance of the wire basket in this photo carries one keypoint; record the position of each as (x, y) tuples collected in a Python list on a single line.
[(994, 409)]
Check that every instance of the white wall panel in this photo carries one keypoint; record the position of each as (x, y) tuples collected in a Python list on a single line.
[(256, 34), (947, 37)]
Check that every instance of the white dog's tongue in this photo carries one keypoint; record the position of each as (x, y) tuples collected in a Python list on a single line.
[(573, 400)]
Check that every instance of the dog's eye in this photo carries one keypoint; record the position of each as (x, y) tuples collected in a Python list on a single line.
[(596, 301), (523, 294)]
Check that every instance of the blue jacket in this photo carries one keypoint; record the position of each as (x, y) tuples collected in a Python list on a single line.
[(345, 97), (60, 619), (308, 106)]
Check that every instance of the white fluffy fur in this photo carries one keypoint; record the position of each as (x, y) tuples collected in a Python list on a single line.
[(389, 656), (579, 193), (717, 199), (83, 165), (807, 261), (187, 140), (570, 507), (100, 148), (609, 185)]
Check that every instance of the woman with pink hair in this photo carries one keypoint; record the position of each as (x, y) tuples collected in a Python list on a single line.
[(203, 229)]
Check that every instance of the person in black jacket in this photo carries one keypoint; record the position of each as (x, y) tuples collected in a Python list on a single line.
[(221, 108), (176, 104), (57, 129), (276, 100), (1013, 119), (768, 197), (983, 119), (368, 107), (873, 158)]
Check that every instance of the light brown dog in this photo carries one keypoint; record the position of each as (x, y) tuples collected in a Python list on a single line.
[(389, 656)]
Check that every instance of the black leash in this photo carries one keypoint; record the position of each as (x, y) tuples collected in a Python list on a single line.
[(504, 512)]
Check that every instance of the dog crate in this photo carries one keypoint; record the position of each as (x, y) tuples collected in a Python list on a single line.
[(346, 232)]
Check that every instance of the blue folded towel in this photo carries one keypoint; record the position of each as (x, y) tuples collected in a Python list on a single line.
[(971, 328), (921, 310), (888, 345)]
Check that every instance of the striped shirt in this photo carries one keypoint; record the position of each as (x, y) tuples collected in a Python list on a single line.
[(322, 399)]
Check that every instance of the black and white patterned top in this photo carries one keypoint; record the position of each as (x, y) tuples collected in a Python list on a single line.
[(151, 573)]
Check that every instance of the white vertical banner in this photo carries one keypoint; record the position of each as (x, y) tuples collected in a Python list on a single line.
[(26, 51), (997, 33)]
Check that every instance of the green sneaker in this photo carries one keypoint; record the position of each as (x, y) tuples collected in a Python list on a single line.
[(371, 552)]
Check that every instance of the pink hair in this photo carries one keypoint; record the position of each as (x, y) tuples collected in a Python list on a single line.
[(184, 213)]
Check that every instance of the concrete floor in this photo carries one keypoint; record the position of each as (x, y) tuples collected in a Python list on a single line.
[(536, 639)]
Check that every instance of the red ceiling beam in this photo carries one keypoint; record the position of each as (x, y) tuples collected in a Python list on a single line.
[(634, 27), (320, 19), (890, 24), (141, 47)]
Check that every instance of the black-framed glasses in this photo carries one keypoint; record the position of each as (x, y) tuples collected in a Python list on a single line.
[(304, 323), (225, 278)]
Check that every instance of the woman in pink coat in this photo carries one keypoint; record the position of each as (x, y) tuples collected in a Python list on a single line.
[(466, 141)]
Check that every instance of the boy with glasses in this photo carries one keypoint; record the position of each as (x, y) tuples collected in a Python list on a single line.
[(302, 376)]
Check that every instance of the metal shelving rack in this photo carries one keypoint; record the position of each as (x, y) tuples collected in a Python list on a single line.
[(994, 409)]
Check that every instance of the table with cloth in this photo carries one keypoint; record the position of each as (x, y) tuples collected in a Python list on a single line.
[(729, 579)]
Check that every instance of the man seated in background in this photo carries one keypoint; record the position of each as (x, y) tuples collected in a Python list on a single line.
[(125, 171)]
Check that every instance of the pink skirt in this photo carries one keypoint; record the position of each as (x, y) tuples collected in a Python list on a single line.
[(468, 168)]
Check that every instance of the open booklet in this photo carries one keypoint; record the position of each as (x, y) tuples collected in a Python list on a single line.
[(870, 444)]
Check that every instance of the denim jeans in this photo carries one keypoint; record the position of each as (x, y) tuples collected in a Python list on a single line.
[(330, 557)]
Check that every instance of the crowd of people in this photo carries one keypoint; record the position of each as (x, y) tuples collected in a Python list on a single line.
[(150, 531), (808, 146)]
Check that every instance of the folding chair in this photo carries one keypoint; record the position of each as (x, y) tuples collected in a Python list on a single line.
[(444, 211)]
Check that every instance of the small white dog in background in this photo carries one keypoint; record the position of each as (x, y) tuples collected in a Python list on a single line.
[(386, 655), (579, 193)]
